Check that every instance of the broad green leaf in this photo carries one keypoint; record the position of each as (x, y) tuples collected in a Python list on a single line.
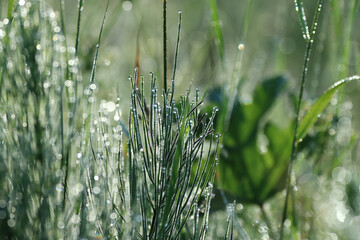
[(217, 28), (245, 172), (279, 150), (253, 176), (312, 115), (245, 118)]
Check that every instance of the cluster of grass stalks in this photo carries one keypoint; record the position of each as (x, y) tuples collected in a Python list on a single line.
[(39, 89)]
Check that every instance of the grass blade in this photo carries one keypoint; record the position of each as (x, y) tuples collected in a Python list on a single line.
[(10, 7), (92, 77), (80, 8), (164, 44), (316, 109), (302, 18), (217, 29), (176, 56)]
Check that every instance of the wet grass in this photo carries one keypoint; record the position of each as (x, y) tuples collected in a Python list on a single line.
[(76, 166)]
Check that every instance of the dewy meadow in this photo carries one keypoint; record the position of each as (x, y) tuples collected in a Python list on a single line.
[(89, 153)]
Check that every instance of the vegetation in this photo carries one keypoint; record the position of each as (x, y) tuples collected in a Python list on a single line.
[(244, 159)]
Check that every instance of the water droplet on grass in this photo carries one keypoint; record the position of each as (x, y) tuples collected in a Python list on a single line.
[(11, 223), (59, 187), (61, 225), (2, 203), (113, 215), (69, 83), (96, 190), (92, 86), (241, 46), (127, 6)]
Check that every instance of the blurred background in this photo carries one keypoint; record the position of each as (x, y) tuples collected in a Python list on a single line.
[(269, 31)]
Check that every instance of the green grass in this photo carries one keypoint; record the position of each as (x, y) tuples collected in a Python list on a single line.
[(87, 153)]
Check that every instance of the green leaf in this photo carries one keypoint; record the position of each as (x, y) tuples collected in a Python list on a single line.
[(246, 172), (10, 8), (246, 117), (312, 115), (279, 149)]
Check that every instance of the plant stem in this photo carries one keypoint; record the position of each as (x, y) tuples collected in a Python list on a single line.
[(164, 44), (176, 57), (297, 121), (80, 8)]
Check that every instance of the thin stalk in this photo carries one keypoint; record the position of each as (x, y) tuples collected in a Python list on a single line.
[(345, 58), (164, 44), (93, 70), (297, 121), (63, 157), (67, 154), (80, 8), (63, 30), (176, 56)]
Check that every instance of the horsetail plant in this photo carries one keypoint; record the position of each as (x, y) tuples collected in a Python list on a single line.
[(170, 165)]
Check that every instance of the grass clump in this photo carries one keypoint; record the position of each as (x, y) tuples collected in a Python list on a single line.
[(38, 111), (169, 164)]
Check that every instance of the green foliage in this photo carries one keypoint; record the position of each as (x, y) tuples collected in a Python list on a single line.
[(38, 108), (318, 107), (70, 168), (246, 171), (166, 143)]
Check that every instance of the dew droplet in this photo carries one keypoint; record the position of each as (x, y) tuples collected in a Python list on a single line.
[(113, 215), (96, 190), (241, 46), (92, 86), (127, 6), (11, 223), (59, 187)]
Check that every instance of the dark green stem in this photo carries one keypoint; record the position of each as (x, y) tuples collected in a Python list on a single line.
[(176, 57), (297, 121), (80, 8), (164, 44)]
